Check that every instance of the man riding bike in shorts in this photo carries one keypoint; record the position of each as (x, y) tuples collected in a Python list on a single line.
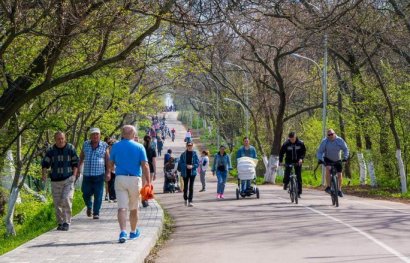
[(329, 152)]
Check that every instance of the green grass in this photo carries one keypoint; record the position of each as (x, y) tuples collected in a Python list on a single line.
[(33, 218)]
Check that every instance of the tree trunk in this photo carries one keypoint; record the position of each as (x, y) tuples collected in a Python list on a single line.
[(270, 175), (369, 157), (370, 165), (14, 192), (362, 167), (402, 171), (392, 125), (10, 211)]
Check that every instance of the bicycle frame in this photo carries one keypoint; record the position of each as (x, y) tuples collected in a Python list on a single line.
[(293, 184), (334, 182)]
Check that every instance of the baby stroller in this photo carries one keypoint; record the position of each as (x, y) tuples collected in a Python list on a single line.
[(246, 171), (171, 176)]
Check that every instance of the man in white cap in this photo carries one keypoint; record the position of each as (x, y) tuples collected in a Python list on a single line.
[(94, 156)]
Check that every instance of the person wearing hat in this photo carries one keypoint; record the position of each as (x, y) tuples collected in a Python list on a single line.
[(188, 164), (94, 158)]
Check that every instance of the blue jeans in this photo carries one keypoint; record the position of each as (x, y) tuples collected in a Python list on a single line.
[(93, 186), (245, 184), (221, 175)]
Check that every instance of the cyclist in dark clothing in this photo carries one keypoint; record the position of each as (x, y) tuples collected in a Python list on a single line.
[(295, 151)]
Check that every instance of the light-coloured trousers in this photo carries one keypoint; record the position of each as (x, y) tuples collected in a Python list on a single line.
[(203, 180), (63, 193)]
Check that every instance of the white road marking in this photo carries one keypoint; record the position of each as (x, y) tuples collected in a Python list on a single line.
[(373, 239)]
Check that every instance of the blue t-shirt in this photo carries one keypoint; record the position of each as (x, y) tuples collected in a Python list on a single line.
[(127, 156)]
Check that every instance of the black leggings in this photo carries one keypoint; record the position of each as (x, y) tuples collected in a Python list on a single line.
[(189, 183)]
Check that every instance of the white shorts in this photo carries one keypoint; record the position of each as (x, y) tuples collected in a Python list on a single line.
[(127, 190)]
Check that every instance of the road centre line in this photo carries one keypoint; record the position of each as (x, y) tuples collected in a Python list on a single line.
[(366, 203), (368, 236)]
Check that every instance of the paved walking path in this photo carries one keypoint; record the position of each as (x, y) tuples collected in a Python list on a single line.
[(271, 229), (92, 241)]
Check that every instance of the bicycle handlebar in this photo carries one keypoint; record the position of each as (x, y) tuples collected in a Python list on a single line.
[(331, 163)]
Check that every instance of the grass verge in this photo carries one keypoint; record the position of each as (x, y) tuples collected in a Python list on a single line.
[(33, 218), (167, 229)]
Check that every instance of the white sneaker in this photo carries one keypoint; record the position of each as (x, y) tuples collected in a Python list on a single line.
[(190, 204)]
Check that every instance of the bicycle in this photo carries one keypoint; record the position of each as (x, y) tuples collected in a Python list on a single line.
[(334, 182), (293, 185)]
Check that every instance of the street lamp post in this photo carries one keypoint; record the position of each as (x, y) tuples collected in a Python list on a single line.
[(324, 94), (243, 108), (217, 110), (246, 95), (324, 90), (203, 102)]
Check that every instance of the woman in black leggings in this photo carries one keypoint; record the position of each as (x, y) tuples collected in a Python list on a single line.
[(187, 165)]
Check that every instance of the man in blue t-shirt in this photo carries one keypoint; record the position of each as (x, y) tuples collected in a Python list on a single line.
[(131, 163)]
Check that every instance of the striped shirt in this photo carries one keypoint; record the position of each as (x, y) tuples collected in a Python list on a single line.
[(61, 161), (94, 159)]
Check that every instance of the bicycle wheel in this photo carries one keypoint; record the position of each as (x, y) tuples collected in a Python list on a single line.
[(335, 197), (291, 192), (295, 190)]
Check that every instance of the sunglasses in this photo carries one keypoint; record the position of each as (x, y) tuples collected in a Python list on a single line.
[(330, 134)]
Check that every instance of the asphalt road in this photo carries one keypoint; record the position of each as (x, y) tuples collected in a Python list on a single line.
[(272, 229)]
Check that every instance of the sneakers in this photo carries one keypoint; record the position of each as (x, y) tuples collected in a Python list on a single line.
[(106, 198), (285, 187), (218, 196), (190, 204), (89, 214), (186, 202), (96, 217), (65, 227), (202, 190), (134, 235), (327, 190), (340, 193), (60, 227), (221, 196), (144, 203), (123, 237)]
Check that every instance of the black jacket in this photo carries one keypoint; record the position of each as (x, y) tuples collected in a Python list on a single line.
[(294, 151)]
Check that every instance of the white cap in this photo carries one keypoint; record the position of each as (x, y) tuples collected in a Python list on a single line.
[(95, 130)]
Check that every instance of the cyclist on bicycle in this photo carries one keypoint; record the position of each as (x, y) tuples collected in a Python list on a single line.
[(329, 152), (295, 151)]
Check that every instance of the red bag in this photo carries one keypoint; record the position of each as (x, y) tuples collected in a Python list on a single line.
[(147, 192)]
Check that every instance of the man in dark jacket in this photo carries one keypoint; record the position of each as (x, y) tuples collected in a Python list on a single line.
[(63, 160), (295, 151)]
